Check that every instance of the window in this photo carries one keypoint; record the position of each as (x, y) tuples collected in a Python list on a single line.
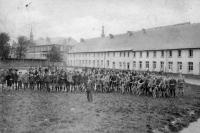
[(170, 53), (108, 54), (147, 64), (140, 64), (154, 65), (97, 63), (120, 54), (89, 62), (113, 54), (102, 63), (190, 53), (179, 53), (170, 66), (107, 63), (147, 54), (124, 64), (124, 54), (141, 54), (113, 65), (120, 64), (128, 54), (162, 66), (179, 66), (190, 66), (128, 65), (133, 54), (134, 64), (93, 63), (154, 53)]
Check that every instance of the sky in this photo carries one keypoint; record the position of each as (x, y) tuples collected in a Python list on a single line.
[(84, 18)]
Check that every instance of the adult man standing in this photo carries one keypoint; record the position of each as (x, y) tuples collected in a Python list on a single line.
[(172, 86), (89, 90), (181, 82)]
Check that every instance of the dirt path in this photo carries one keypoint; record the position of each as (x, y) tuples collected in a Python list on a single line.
[(193, 81), (193, 128)]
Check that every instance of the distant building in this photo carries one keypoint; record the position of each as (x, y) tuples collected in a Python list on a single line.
[(43, 46), (174, 48), (41, 51)]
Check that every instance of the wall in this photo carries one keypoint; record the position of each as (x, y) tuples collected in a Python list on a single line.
[(74, 60), (17, 63)]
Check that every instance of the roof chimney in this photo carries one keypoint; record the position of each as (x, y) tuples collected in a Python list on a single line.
[(144, 31), (82, 40), (111, 36), (102, 32), (130, 33)]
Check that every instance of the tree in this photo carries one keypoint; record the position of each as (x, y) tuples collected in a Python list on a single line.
[(4, 46), (21, 48), (54, 54)]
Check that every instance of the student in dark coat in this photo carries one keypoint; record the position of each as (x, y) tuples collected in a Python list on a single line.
[(9, 78), (89, 90), (172, 87)]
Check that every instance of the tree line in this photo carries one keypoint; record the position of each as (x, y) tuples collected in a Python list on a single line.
[(18, 49)]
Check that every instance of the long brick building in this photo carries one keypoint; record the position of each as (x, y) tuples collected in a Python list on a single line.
[(174, 48)]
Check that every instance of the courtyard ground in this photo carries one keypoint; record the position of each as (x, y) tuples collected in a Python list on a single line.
[(41, 112)]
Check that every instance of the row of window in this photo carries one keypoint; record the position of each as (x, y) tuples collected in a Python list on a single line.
[(127, 54), (126, 65)]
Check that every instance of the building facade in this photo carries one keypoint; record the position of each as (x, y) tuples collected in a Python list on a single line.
[(43, 46), (41, 51), (173, 49), (173, 61)]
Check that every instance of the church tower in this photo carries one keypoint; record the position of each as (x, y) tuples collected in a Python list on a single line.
[(31, 41), (31, 35), (102, 32)]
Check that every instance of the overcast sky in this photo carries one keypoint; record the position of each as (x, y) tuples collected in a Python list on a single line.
[(84, 18)]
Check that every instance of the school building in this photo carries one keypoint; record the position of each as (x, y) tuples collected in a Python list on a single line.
[(43, 46), (174, 49)]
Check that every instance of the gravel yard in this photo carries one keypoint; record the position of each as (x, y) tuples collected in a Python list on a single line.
[(39, 112)]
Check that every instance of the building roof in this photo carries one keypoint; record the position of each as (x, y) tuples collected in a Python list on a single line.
[(46, 45), (56, 40), (179, 36)]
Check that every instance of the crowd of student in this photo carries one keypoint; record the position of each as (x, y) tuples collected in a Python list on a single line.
[(97, 80)]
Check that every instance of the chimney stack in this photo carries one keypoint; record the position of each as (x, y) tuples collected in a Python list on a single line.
[(111, 36), (102, 32), (82, 40), (144, 31), (130, 33)]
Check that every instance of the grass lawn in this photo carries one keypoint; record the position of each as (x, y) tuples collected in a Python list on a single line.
[(39, 112)]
